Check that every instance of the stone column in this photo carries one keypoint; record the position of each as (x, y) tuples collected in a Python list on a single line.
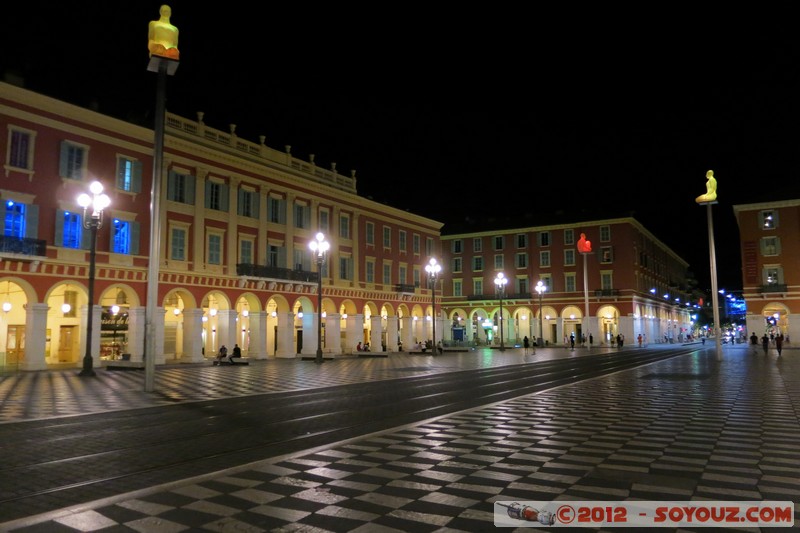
[(354, 333), (391, 333), (35, 337), (136, 332), (286, 348), (227, 333), (258, 335), (310, 321), (333, 334), (192, 336), (375, 331), (407, 333)]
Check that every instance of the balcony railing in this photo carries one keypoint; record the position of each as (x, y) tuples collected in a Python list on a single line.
[(606, 292), (23, 246), (270, 272), (404, 287), (774, 287)]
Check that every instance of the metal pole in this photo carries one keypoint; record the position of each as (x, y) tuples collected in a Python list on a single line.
[(587, 318), (318, 360), (155, 230), (502, 345), (714, 292), (87, 358), (433, 313)]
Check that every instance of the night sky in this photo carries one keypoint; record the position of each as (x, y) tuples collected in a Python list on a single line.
[(473, 118)]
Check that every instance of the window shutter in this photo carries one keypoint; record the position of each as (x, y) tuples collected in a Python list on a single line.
[(256, 198), (62, 161), (282, 257), (240, 201), (136, 182), (207, 199), (224, 192), (171, 185), (59, 236), (189, 192), (134, 226), (32, 221)]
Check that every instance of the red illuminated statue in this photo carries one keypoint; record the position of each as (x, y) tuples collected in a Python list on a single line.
[(584, 245)]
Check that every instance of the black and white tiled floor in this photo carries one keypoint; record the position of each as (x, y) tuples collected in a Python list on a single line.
[(687, 428)]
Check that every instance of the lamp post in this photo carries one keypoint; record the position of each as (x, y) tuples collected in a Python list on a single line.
[(500, 281), (540, 288), (320, 247), (94, 203), (433, 268)]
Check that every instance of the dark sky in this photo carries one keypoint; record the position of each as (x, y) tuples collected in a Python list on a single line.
[(458, 114)]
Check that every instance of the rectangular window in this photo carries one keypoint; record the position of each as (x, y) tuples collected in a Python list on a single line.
[(544, 259), (14, 220), (416, 276), (19, 150), (606, 281), (456, 246), (276, 210), (477, 263), (246, 252), (569, 257), (457, 288), (180, 188), (387, 237), (216, 195), (214, 249), (569, 283), (370, 271), (544, 238), (428, 246), (498, 261), (456, 264), (499, 242), (178, 244), (770, 246), (387, 274), (605, 233), (302, 216), (477, 245), (125, 237), (301, 259), (402, 275), (344, 228), (522, 240), (248, 203), (569, 237), (522, 286), (71, 234), (416, 244), (273, 256), (402, 239), (768, 219), (324, 221), (606, 254), (477, 286), (773, 275), (72, 162), (370, 233), (129, 174), (345, 268), (522, 260)]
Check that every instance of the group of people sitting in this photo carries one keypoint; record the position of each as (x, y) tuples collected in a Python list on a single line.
[(223, 353), (364, 348)]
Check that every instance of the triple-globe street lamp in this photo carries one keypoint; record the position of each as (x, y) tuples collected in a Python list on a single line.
[(540, 288), (433, 268), (93, 207), (500, 281), (320, 247)]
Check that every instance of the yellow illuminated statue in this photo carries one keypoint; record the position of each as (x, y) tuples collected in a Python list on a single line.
[(162, 38), (711, 189)]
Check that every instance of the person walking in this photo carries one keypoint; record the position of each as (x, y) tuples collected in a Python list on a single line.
[(765, 343), (754, 343), (526, 343), (779, 343)]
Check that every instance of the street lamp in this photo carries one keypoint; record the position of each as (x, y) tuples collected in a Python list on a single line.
[(501, 281), (433, 268), (320, 247), (94, 203), (540, 288)]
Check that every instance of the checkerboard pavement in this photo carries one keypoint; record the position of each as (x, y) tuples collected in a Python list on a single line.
[(689, 428)]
